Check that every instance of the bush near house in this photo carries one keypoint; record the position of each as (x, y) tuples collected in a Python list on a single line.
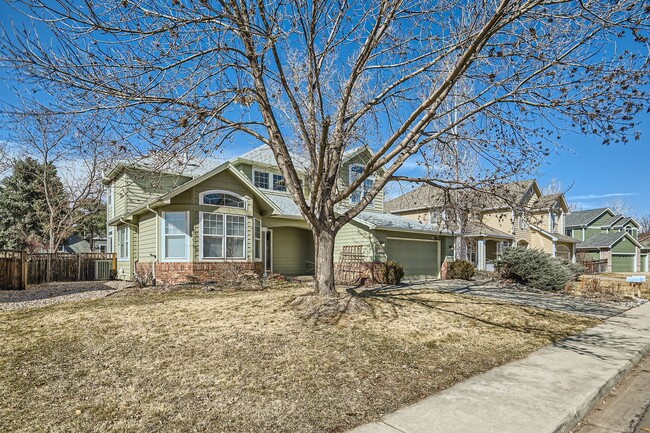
[(536, 269), (461, 270), (393, 273)]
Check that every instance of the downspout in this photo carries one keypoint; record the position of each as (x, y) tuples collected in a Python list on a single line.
[(155, 256)]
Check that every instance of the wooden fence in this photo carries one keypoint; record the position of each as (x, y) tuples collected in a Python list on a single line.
[(13, 267), (595, 266), (17, 268)]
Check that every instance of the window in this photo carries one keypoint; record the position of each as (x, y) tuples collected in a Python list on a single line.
[(223, 236), (501, 247), (261, 179), (628, 230), (271, 181), (553, 222), (123, 242), (522, 222), (109, 241), (110, 201), (258, 240), (278, 183), (175, 236), (220, 198), (356, 170)]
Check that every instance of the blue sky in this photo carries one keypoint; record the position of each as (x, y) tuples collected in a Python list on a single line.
[(596, 174)]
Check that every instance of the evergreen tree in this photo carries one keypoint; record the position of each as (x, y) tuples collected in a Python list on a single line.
[(24, 210)]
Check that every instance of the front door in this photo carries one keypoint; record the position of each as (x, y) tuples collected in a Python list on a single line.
[(267, 246)]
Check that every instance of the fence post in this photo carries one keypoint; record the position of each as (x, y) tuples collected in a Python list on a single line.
[(24, 274), (78, 266)]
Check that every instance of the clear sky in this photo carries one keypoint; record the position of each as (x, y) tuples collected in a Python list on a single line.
[(596, 174)]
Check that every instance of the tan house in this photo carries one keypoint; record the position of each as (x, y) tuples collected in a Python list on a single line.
[(239, 214), (490, 220)]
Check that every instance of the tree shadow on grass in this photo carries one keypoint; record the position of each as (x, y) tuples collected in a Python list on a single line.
[(397, 299)]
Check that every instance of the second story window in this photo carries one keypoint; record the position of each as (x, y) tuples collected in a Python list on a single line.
[(279, 183), (271, 181), (110, 201), (553, 222), (356, 170), (261, 179)]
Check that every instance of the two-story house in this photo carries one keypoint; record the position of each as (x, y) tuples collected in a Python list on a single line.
[(491, 219), (604, 235), (178, 226)]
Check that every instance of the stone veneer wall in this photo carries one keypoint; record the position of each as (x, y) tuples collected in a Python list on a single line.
[(183, 272)]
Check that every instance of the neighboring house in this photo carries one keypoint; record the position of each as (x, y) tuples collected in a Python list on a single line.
[(76, 244), (239, 214), (605, 235), (492, 219)]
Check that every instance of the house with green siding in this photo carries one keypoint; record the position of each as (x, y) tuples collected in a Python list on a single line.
[(239, 217), (605, 235)]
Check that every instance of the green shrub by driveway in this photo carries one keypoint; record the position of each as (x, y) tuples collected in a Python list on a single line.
[(461, 269), (536, 269)]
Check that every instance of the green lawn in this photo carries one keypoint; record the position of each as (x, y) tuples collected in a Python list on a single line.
[(245, 362)]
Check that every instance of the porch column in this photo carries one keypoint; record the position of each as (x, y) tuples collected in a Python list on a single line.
[(480, 253)]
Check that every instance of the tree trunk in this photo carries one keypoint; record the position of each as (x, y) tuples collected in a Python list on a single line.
[(324, 260)]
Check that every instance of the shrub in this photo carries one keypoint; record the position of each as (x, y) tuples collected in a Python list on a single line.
[(536, 269), (393, 272), (461, 269)]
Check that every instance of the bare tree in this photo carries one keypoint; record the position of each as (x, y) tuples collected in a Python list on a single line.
[(80, 155), (644, 220), (320, 77), (619, 206)]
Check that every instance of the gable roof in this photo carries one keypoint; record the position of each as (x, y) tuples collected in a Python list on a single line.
[(549, 201), (611, 221), (625, 221), (583, 218), (606, 240), (555, 236), (162, 199), (263, 155), (479, 229), (388, 221), (497, 196)]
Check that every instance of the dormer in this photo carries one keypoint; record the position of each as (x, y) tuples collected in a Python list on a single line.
[(354, 164)]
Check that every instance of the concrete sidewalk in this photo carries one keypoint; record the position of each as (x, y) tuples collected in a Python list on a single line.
[(549, 391)]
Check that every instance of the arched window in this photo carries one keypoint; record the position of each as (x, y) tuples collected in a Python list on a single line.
[(222, 198), (522, 244)]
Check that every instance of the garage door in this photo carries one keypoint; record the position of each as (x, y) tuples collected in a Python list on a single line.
[(622, 263), (419, 257)]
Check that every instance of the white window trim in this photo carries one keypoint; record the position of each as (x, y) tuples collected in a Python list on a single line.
[(111, 198), (361, 187), (256, 240), (110, 246), (270, 175), (270, 179), (224, 259), (187, 239), (222, 191), (128, 242)]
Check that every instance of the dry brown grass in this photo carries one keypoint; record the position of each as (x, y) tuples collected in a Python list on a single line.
[(245, 362), (608, 287)]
